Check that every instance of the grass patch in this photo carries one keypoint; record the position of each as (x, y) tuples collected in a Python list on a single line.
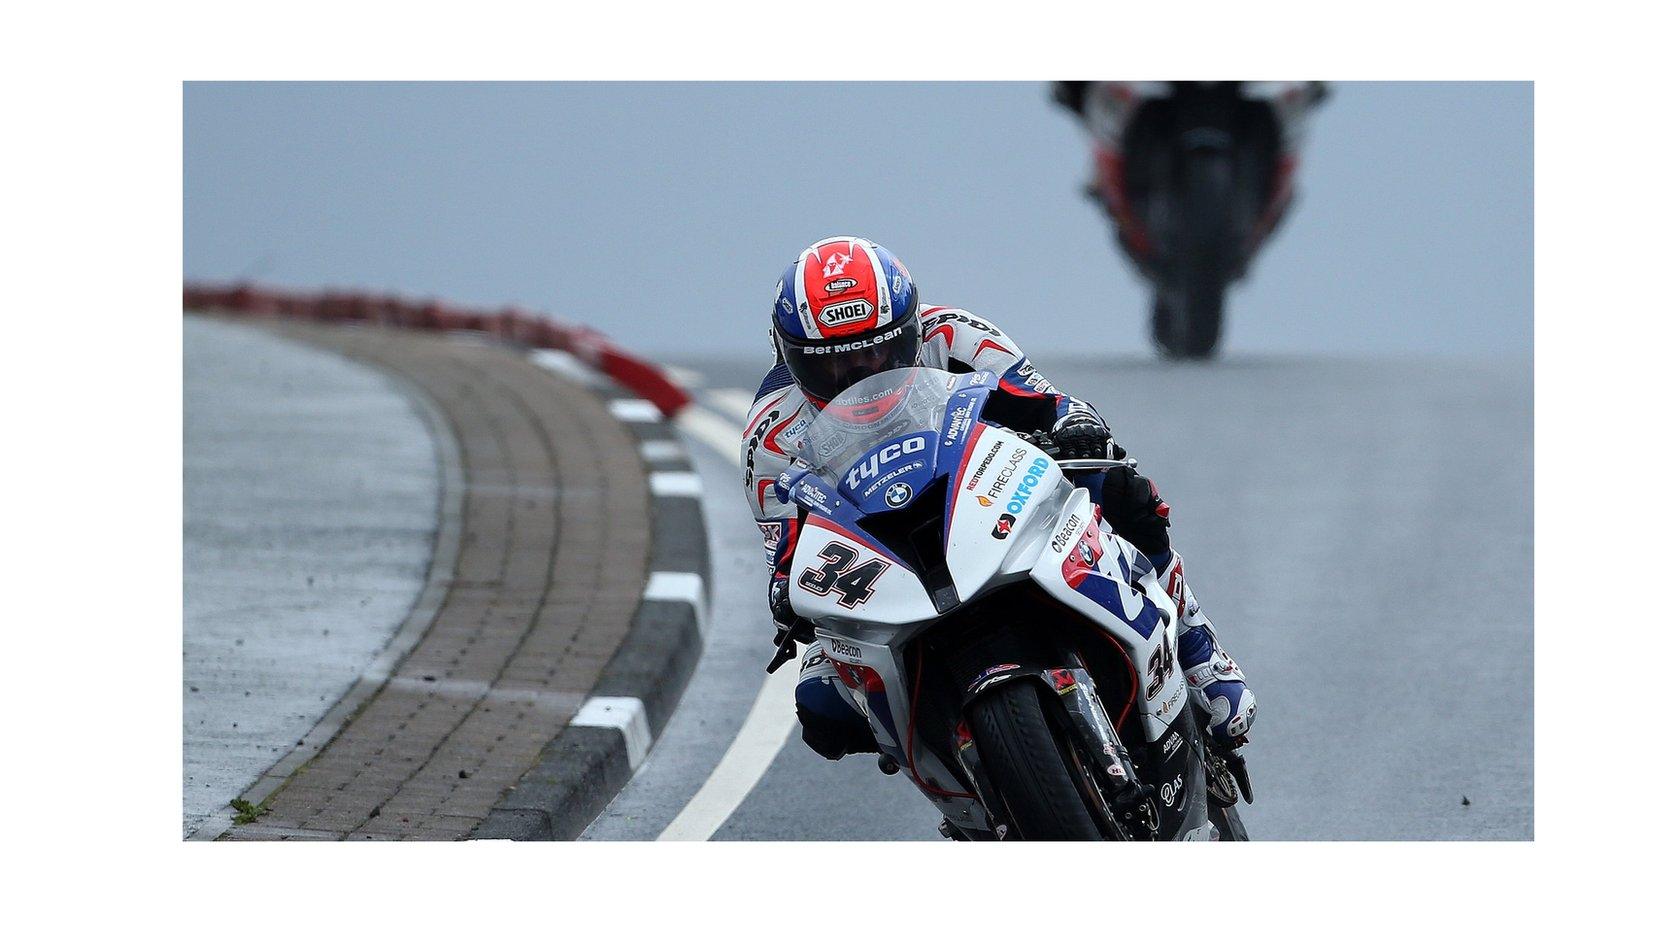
[(245, 812)]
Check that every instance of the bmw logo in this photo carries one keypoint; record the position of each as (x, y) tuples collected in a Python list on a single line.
[(898, 494)]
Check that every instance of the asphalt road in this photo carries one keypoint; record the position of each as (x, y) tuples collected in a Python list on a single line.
[(1361, 533)]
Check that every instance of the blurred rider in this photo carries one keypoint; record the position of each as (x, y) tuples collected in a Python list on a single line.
[(847, 309)]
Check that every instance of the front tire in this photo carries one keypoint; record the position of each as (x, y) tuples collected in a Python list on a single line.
[(1190, 308), (1029, 765)]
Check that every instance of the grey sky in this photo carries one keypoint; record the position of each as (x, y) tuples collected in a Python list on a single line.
[(664, 213)]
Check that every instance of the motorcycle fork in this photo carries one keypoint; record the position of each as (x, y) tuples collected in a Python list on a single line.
[(1087, 721)]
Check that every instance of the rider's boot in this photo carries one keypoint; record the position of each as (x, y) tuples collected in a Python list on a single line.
[(829, 721), (1216, 682)]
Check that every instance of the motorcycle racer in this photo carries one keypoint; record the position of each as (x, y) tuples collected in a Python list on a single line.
[(847, 309)]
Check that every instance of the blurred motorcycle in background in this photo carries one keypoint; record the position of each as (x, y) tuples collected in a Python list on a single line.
[(1194, 176)]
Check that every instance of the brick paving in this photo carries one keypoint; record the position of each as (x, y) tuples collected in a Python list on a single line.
[(552, 563)]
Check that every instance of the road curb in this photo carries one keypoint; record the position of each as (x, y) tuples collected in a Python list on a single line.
[(584, 767)]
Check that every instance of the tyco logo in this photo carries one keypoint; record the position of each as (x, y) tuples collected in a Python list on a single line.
[(1006, 522), (1029, 482), (871, 467)]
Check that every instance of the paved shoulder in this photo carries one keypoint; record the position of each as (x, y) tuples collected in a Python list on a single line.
[(310, 504)]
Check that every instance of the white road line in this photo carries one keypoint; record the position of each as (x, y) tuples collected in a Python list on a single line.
[(761, 737), (686, 377), (566, 366), (625, 713), (675, 484), (771, 718), (635, 411), (735, 404), (658, 451), (707, 427)]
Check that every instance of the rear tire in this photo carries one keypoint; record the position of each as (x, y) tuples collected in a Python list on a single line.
[(1028, 765)]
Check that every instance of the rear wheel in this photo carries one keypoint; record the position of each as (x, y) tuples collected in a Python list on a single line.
[(1227, 822), (1036, 772)]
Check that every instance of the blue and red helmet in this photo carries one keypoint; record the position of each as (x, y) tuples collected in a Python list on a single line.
[(845, 311)]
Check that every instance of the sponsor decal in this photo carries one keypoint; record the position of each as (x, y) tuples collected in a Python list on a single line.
[(1171, 746), (844, 313), (1005, 524), (881, 483), (1069, 528), (836, 647), (959, 422), (858, 345), (984, 501), (1063, 680), (772, 539), (871, 467), (961, 319), (1029, 482), (1165, 712), (965, 738), (980, 470), (836, 264), (1118, 768), (813, 496), (898, 494), (839, 285), (898, 283), (1172, 790), (1029, 377), (1006, 473), (755, 438), (1087, 557), (983, 679)]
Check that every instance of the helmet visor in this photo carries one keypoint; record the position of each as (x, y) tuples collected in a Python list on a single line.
[(824, 368)]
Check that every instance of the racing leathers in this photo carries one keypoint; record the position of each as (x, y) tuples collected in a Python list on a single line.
[(959, 341)]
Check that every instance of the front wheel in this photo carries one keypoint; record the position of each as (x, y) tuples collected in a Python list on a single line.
[(1033, 765), (1186, 323)]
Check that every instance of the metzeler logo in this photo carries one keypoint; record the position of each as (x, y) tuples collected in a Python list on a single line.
[(842, 313)]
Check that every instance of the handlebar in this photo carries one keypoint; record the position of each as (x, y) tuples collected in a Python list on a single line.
[(1090, 465)]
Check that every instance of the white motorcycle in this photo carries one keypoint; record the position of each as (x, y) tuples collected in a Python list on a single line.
[(1012, 655)]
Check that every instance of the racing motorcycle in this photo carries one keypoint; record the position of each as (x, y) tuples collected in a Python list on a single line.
[(1194, 176), (1012, 655)]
